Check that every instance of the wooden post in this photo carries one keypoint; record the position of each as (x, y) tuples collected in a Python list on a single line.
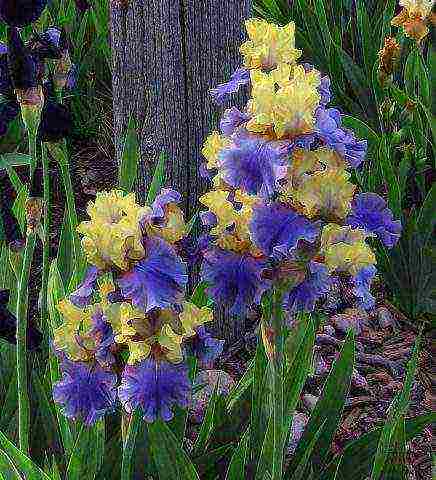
[(167, 55)]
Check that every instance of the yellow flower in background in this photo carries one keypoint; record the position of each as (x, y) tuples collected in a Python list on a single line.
[(269, 44), (345, 249), (414, 17), (213, 144), (113, 234), (327, 192), (288, 110), (193, 316)]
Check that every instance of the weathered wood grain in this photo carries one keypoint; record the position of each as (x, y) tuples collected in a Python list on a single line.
[(167, 55)]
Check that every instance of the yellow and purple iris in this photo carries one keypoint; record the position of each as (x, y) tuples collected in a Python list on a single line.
[(282, 207), (112, 236)]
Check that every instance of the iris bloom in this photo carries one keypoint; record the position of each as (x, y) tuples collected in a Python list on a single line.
[(345, 249), (268, 44), (413, 18), (287, 111), (113, 235)]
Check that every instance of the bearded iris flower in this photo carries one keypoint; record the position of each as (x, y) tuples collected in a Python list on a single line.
[(20, 13), (414, 17)]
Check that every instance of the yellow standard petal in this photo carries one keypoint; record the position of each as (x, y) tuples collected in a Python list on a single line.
[(269, 44), (326, 193), (76, 321), (132, 322), (138, 351), (213, 145), (284, 108), (193, 316), (170, 342), (174, 228), (345, 249), (112, 236)]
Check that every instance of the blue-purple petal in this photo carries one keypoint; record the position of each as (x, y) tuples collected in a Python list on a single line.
[(362, 286), (155, 387), (165, 197), (82, 296), (85, 391), (342, 140), (157, 281), (252, 165), (232, 119), (205, 347), (240, 77), (235, 281), (369, 211), (276, 229), (304, 296)]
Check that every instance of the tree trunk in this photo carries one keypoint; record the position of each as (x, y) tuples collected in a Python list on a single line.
[(167, 55)]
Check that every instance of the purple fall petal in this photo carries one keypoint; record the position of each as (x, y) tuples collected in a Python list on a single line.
[(234, 280), (157, 281), (85, 391), (155, 387), (304, 296), (369, 211), (276, 229)]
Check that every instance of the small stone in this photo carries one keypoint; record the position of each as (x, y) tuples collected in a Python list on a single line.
[(299, 422), (355, 318), (309, 401), (385, 318)]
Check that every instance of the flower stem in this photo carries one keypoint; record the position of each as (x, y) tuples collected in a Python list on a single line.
[(46, 240), (277, 386), (22, 301)]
